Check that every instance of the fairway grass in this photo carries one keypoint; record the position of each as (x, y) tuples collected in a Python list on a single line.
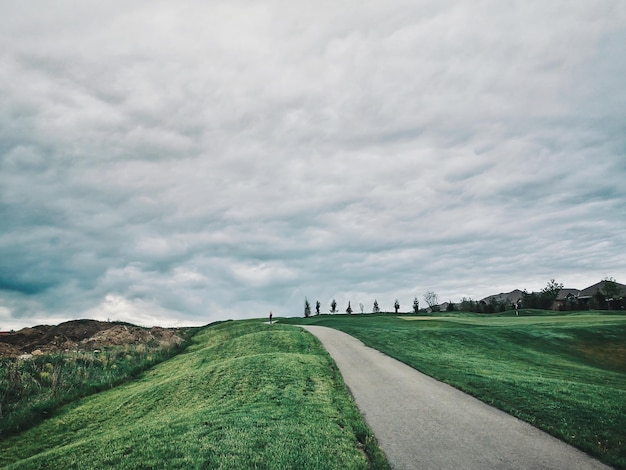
[(243, 395), (565, 374)]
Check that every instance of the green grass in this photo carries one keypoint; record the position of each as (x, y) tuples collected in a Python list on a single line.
[(565, 374), (31, 390), (243, 395)]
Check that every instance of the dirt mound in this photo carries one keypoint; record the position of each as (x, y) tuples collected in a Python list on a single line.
[(83, 335), (127, 334), (8, 350)]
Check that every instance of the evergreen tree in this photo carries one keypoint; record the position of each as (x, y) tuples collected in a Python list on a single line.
[(416, 305), (396, 305), (307, 308), (333, 306), (376, 309), (317, 307), (349, 309)]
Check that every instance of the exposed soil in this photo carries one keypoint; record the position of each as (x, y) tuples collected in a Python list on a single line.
[(82, 335)]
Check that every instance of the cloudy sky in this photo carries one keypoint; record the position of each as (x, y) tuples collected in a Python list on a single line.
[(183, 162)]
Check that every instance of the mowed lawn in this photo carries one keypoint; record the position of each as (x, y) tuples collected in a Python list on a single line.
[(565, 374), (243, 395)]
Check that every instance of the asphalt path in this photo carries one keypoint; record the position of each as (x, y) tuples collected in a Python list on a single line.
[(421, 423)]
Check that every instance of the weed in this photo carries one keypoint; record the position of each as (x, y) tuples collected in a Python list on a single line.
[(32, 389)]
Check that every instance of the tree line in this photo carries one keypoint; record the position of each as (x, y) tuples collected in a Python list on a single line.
[(607, 298), (430, 297)]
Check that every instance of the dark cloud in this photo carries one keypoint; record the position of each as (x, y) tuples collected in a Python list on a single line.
[(181, 164)]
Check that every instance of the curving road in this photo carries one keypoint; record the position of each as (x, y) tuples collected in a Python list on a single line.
[(421, 423)]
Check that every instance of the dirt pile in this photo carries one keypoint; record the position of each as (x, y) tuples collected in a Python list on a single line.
[(83, 335)]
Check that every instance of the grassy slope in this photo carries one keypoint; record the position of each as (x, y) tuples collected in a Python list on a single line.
[(244, 395), (564, 374), (32, 390)]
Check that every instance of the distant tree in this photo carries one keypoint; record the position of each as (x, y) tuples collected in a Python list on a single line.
[(396, 305), (416, 305), (307, 308), (612, 291), (451, 307), (550, 293), (467, 305), (362, 307), (530, 300), (491, 306), (317, 307), (349, 309), (598, 300), (375, 309), (543, 299), (333, 306), (432, 300)]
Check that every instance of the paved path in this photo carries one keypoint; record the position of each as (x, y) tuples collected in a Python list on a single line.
[(421, 423)]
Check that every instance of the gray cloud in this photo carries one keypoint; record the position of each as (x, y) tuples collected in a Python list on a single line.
[(184, 163)]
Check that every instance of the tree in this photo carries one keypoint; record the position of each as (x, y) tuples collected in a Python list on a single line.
[(376, 309), (467, 305), (333, 306), (349, 309), (611, 290), (530, 300), (317, 307), (549, 294), (432, 300), (307, 308), (396, 306), (362, 307), (451, 307), (416, 305)]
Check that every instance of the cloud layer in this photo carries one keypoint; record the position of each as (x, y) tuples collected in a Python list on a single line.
[(179, 164)]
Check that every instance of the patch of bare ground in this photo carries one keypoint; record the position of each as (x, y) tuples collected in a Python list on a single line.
[(612, 354), (83, 335)]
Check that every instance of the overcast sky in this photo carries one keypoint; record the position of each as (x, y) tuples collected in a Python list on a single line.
[(183, 162)]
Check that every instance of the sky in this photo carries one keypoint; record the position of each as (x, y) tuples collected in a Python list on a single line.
[(178, 163)]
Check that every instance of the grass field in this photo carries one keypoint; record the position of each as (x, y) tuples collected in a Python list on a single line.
[(565, 374), (32, 389), (243, 395)]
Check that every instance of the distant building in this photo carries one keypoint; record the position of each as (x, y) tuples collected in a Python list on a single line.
[(592, 297), (511, 298)]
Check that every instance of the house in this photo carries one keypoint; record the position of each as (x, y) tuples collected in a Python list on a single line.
[(601, 295), (606, 294), (565, 299), (511, 298)]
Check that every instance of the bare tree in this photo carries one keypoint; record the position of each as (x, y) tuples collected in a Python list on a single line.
[(416, 305), (432, 300), (362, 307)]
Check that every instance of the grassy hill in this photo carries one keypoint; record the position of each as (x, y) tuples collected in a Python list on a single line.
[(243, 395), (565, 374)]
